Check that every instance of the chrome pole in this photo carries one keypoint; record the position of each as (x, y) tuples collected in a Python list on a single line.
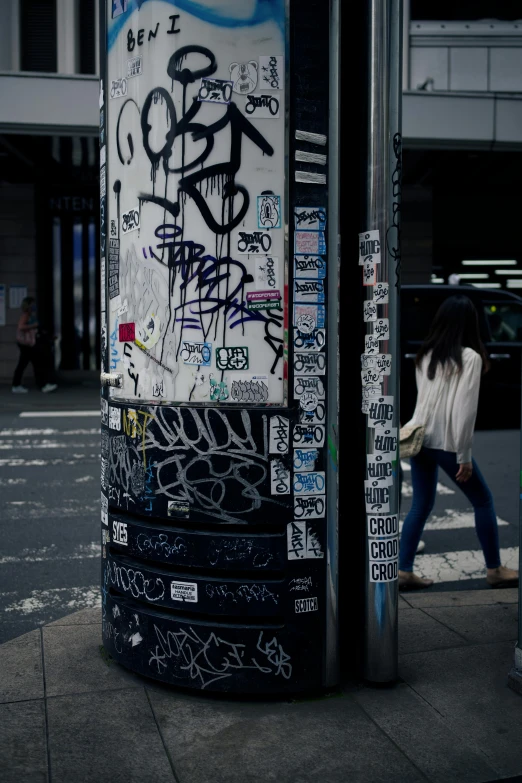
[(381, 212), (332, 407)]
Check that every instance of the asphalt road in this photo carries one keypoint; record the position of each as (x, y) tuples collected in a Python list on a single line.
[(50, 511)]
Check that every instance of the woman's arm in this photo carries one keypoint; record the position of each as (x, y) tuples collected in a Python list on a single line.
[(465, 405)]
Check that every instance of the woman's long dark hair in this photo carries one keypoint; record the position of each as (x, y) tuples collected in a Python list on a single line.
[(454, 327)]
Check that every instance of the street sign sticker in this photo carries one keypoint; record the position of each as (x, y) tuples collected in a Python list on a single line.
[(306, 605), (184, 591)]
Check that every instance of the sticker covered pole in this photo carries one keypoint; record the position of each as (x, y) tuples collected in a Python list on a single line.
[(379, 258)]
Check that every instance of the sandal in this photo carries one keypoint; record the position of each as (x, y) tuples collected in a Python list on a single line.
[(501, 577), (410, 581)]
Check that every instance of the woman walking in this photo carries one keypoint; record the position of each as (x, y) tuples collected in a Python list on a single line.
[(448, 369), (26, 338)]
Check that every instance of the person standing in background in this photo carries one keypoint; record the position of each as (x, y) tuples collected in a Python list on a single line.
[(26, 339)]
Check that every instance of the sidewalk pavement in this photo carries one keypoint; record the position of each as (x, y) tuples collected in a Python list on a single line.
[(70, 714), (77, 390)]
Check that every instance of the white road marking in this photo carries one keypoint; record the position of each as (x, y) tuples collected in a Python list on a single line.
[(57, 414), (442, 489), (34, 509), (39, 601), (11, 482), (50, 553), (15, 445), (83, 479), (39, 463), (26, 431), (405, 466), (459, 566), (453, 520)]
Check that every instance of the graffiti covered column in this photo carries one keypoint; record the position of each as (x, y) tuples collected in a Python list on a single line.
[(213, 424)]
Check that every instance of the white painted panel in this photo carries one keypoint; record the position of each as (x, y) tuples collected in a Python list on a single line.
[(505, 69), (49, 100), (447, 118), (429, 62), (188, 270), (468, 68), (509, 121)]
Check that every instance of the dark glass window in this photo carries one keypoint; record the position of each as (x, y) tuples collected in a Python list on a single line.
[(462, 10), (86, 36), (38, 48)]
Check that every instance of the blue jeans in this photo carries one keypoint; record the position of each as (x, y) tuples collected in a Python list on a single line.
[(424, 472)]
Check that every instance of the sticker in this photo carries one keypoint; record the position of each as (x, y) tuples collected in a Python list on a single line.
[(215, 91), (315, 416), (369, 274), (315, 341), (385, 441), (218, 389), (267, 273), (268, 211), (271, 72), (114, 270), (383, 526), (310, 218), (184, 591), (384, 550), (101, 101), (118, 87), (308, 401), (309, 242), (380, 412), (308, 435), (262, 107), (249, 388), (103, 156), (382, 471), (254, 242), (310, 178), (127, 332), (118, 7), (232, 358), (309, 483), (104, 509), (306, 605), (371, 345), (302, 540), (123, 309), (119, 533), (263, 300), (312, 138), (311, 507), (381, 362), (305, 459), (312, 267), (381, 293), (179, 509), (114, 418), (309, 291), (135, 66), (149, 332), (130, 221), (103, 182), (308, 317), (370, 378), (244, 77), (312, 363), (104, 473), (279, 478), (369, 248), (376, 496), (310, 157), (114, 228), (369, 311), (384, 572), (279, 435), (104, 412), (196, 353), (381, 329), (312, 383)]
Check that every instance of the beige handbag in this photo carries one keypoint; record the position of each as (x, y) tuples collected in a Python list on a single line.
[(411, 438)]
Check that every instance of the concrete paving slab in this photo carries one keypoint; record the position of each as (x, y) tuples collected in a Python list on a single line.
[(403, 604), (329, 740), (74, 662), (21, 668), (106, 736), (418, 632), (468, 687), (22, 739), (428, 600), (419, 731), (482, 624), (83, 617)]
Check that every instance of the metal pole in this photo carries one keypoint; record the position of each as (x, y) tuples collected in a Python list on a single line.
[(515, 675), (332, 408), (381, 212)]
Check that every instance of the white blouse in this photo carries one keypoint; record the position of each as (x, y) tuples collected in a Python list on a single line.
[(447, 405)]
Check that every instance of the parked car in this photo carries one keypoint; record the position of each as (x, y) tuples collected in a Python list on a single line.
[(500, 321)]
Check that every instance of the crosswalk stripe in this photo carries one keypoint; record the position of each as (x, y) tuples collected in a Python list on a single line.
[(50, 553), (31, 431), (39, 602), (453, 520), (442, 489), (15, 445), (34, 509), (19, 462), (458, 566), (57, 414)]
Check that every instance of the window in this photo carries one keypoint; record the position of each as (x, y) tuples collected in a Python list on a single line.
[(86, 36), (38, 48), (505, 321)]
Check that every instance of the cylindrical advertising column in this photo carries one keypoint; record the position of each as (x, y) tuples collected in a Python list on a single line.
[(379, 257), (214, 221)]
